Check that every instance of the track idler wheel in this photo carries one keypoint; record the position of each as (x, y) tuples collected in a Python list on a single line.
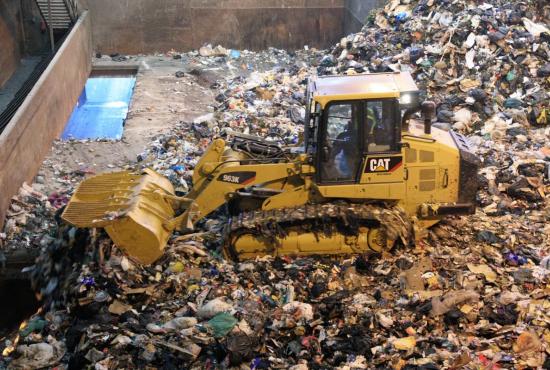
[(377, 241)]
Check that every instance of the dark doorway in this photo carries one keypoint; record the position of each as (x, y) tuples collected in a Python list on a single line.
[(18, 303)]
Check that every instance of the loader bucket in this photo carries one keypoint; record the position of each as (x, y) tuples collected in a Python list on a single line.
[(130, 207)]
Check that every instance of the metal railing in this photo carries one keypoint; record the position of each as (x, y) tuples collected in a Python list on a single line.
[(72, 6)]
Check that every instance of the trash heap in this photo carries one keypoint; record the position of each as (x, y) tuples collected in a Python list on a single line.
[(457, 299), (29, 220), (473, 294), (479, 62)]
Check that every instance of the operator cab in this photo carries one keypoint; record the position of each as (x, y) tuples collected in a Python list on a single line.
[(352, 118)]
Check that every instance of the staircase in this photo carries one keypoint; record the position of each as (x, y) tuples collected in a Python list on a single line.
[(63, 13)]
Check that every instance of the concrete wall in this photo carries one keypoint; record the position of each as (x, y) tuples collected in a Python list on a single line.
[(358, 11), (10, 38), (29, 135), (146, 26)]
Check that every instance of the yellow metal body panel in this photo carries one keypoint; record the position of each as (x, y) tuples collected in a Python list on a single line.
[(303, 243), (291, 198), (363, 191), (363, 86), (432, 169), (325, 99)]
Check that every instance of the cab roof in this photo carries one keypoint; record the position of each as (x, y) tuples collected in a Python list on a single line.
[(363, 86)]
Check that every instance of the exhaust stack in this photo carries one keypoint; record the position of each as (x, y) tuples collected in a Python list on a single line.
[(428, 112)]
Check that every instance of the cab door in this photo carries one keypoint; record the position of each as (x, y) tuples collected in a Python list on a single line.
[(383, 167), (339, 156)]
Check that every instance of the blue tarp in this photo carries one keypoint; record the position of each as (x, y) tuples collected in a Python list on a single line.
[(101, 109)]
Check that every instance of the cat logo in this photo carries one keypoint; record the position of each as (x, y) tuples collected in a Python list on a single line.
[(383, 164), (241, 178)]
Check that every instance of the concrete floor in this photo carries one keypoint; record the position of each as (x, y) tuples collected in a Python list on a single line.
[(160, 101), (8, 91)]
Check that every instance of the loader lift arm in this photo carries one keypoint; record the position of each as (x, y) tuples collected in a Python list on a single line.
[(218, 175), (216, 189)]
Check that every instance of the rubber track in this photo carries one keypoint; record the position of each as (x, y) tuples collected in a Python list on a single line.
[(327, 217)]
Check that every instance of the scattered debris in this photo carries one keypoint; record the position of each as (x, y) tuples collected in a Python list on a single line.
[(473, 293)]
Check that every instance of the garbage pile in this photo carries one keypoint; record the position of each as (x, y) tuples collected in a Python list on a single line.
[(474, 294), (479, 62), (458, 299)]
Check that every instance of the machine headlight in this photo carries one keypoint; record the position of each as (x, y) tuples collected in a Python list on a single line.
[(409, 99), (405, 99)]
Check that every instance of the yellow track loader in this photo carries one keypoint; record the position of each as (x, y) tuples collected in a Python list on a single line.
[(365, 176)]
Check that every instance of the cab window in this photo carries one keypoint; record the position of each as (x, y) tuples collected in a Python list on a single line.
[(341, 150), (382, 125)]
